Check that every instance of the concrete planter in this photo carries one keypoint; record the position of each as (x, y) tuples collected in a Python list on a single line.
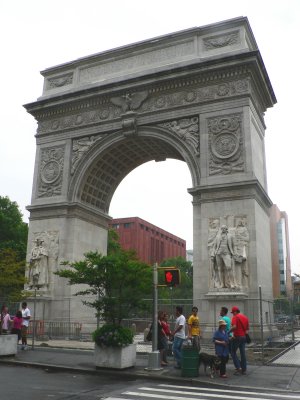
[(8, 345), (115, 357)]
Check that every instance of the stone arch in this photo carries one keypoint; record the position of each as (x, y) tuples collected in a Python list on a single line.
[(199, 96), (109, 160)]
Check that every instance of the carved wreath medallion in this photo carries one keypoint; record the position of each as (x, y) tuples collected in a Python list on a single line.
[(225, 145)]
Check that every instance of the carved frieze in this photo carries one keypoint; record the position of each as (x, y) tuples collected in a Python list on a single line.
[(51, 171), (59, 81), (187, 129), (225, 145), (218, 41), (102, 113), (185, 96), (158, 98)]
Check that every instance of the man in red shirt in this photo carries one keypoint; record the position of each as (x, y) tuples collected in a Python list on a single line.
[(239, 328)]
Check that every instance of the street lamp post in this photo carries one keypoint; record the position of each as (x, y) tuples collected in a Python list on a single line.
[(33, 322), (154, 356)]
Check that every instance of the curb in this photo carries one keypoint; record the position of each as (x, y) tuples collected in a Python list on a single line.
[(138, 375)]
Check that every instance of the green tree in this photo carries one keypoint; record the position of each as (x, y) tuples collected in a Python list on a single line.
[(282, 306), (118, 281), (12, 276), (13, 231)]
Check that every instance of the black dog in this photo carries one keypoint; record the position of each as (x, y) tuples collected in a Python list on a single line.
[(211, 361)]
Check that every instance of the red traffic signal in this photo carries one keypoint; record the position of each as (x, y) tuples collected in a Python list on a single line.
[(172, 277)]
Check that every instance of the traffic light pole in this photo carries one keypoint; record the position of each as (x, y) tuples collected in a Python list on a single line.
[(154, 356)]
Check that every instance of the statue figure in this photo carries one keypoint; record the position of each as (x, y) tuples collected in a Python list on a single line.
[(222, 255), (241, 247), (38, 269), (214, 272)]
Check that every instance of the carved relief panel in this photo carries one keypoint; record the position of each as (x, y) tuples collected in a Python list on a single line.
[(226, 145), (228, 252), (187, 129), (43, 259), (51, 171)]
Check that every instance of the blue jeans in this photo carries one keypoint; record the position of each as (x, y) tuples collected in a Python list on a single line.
[(176, 348), (239, 343)]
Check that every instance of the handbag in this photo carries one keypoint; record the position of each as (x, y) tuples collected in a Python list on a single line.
[(248, 338), (149, 335)]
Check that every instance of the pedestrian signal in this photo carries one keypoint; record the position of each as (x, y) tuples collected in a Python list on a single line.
[(172, 277)]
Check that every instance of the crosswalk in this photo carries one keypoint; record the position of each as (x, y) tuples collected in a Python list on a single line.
[(177, 392)]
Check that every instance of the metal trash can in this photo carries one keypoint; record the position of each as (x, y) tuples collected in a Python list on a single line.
[(189, 361)]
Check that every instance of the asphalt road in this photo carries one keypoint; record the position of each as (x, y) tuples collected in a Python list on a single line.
[(26, 383)]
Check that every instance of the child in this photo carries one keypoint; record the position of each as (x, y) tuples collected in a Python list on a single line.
[(221, 341), (17, 323)]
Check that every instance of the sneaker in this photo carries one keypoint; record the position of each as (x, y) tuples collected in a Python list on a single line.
[(223, 376), (238, 371)]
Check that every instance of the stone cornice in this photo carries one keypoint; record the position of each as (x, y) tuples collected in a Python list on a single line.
[(250, 189), (69, 210), (195, 87)]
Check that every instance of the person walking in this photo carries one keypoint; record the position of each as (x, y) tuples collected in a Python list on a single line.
[(161, 339), (17, 325), (5, 319), (221, 341), (179, 336), (239, 328), (166, 328), (194, 328), (25, 324), (224, 316)]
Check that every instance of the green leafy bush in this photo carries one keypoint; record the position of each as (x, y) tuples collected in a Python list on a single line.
[(113, 336)]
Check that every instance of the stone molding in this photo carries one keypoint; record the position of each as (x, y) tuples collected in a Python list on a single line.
[(250, 189), (69, 210)]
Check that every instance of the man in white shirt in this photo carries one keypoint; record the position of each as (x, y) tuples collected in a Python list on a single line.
[(179, 336), (25, 324)]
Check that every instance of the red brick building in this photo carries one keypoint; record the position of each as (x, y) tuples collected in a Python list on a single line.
[(151, 243)]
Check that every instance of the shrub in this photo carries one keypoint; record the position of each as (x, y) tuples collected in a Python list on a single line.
[(113, 336)]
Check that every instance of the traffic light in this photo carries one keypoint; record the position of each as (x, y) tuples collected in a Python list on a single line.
[(172, 277)]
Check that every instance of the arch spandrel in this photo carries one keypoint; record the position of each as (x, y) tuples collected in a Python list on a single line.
[(108, 161)]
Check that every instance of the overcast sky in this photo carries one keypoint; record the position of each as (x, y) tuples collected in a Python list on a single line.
[(37, 34)]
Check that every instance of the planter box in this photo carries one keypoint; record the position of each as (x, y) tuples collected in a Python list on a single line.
[(115, 357), (8, 345)]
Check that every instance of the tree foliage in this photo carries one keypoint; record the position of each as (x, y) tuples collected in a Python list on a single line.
[(13, 231), (13, 242), (118, 281), (12, 276)]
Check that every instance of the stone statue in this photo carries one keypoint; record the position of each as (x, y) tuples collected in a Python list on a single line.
[(214, 273), (222, 255), (38, 268), (241, 248)]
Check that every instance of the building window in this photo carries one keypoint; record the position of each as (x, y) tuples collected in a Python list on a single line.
[(127, 225), (116, 226)]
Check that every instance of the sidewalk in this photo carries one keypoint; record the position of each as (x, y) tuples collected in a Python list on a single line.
[(78, 357)]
